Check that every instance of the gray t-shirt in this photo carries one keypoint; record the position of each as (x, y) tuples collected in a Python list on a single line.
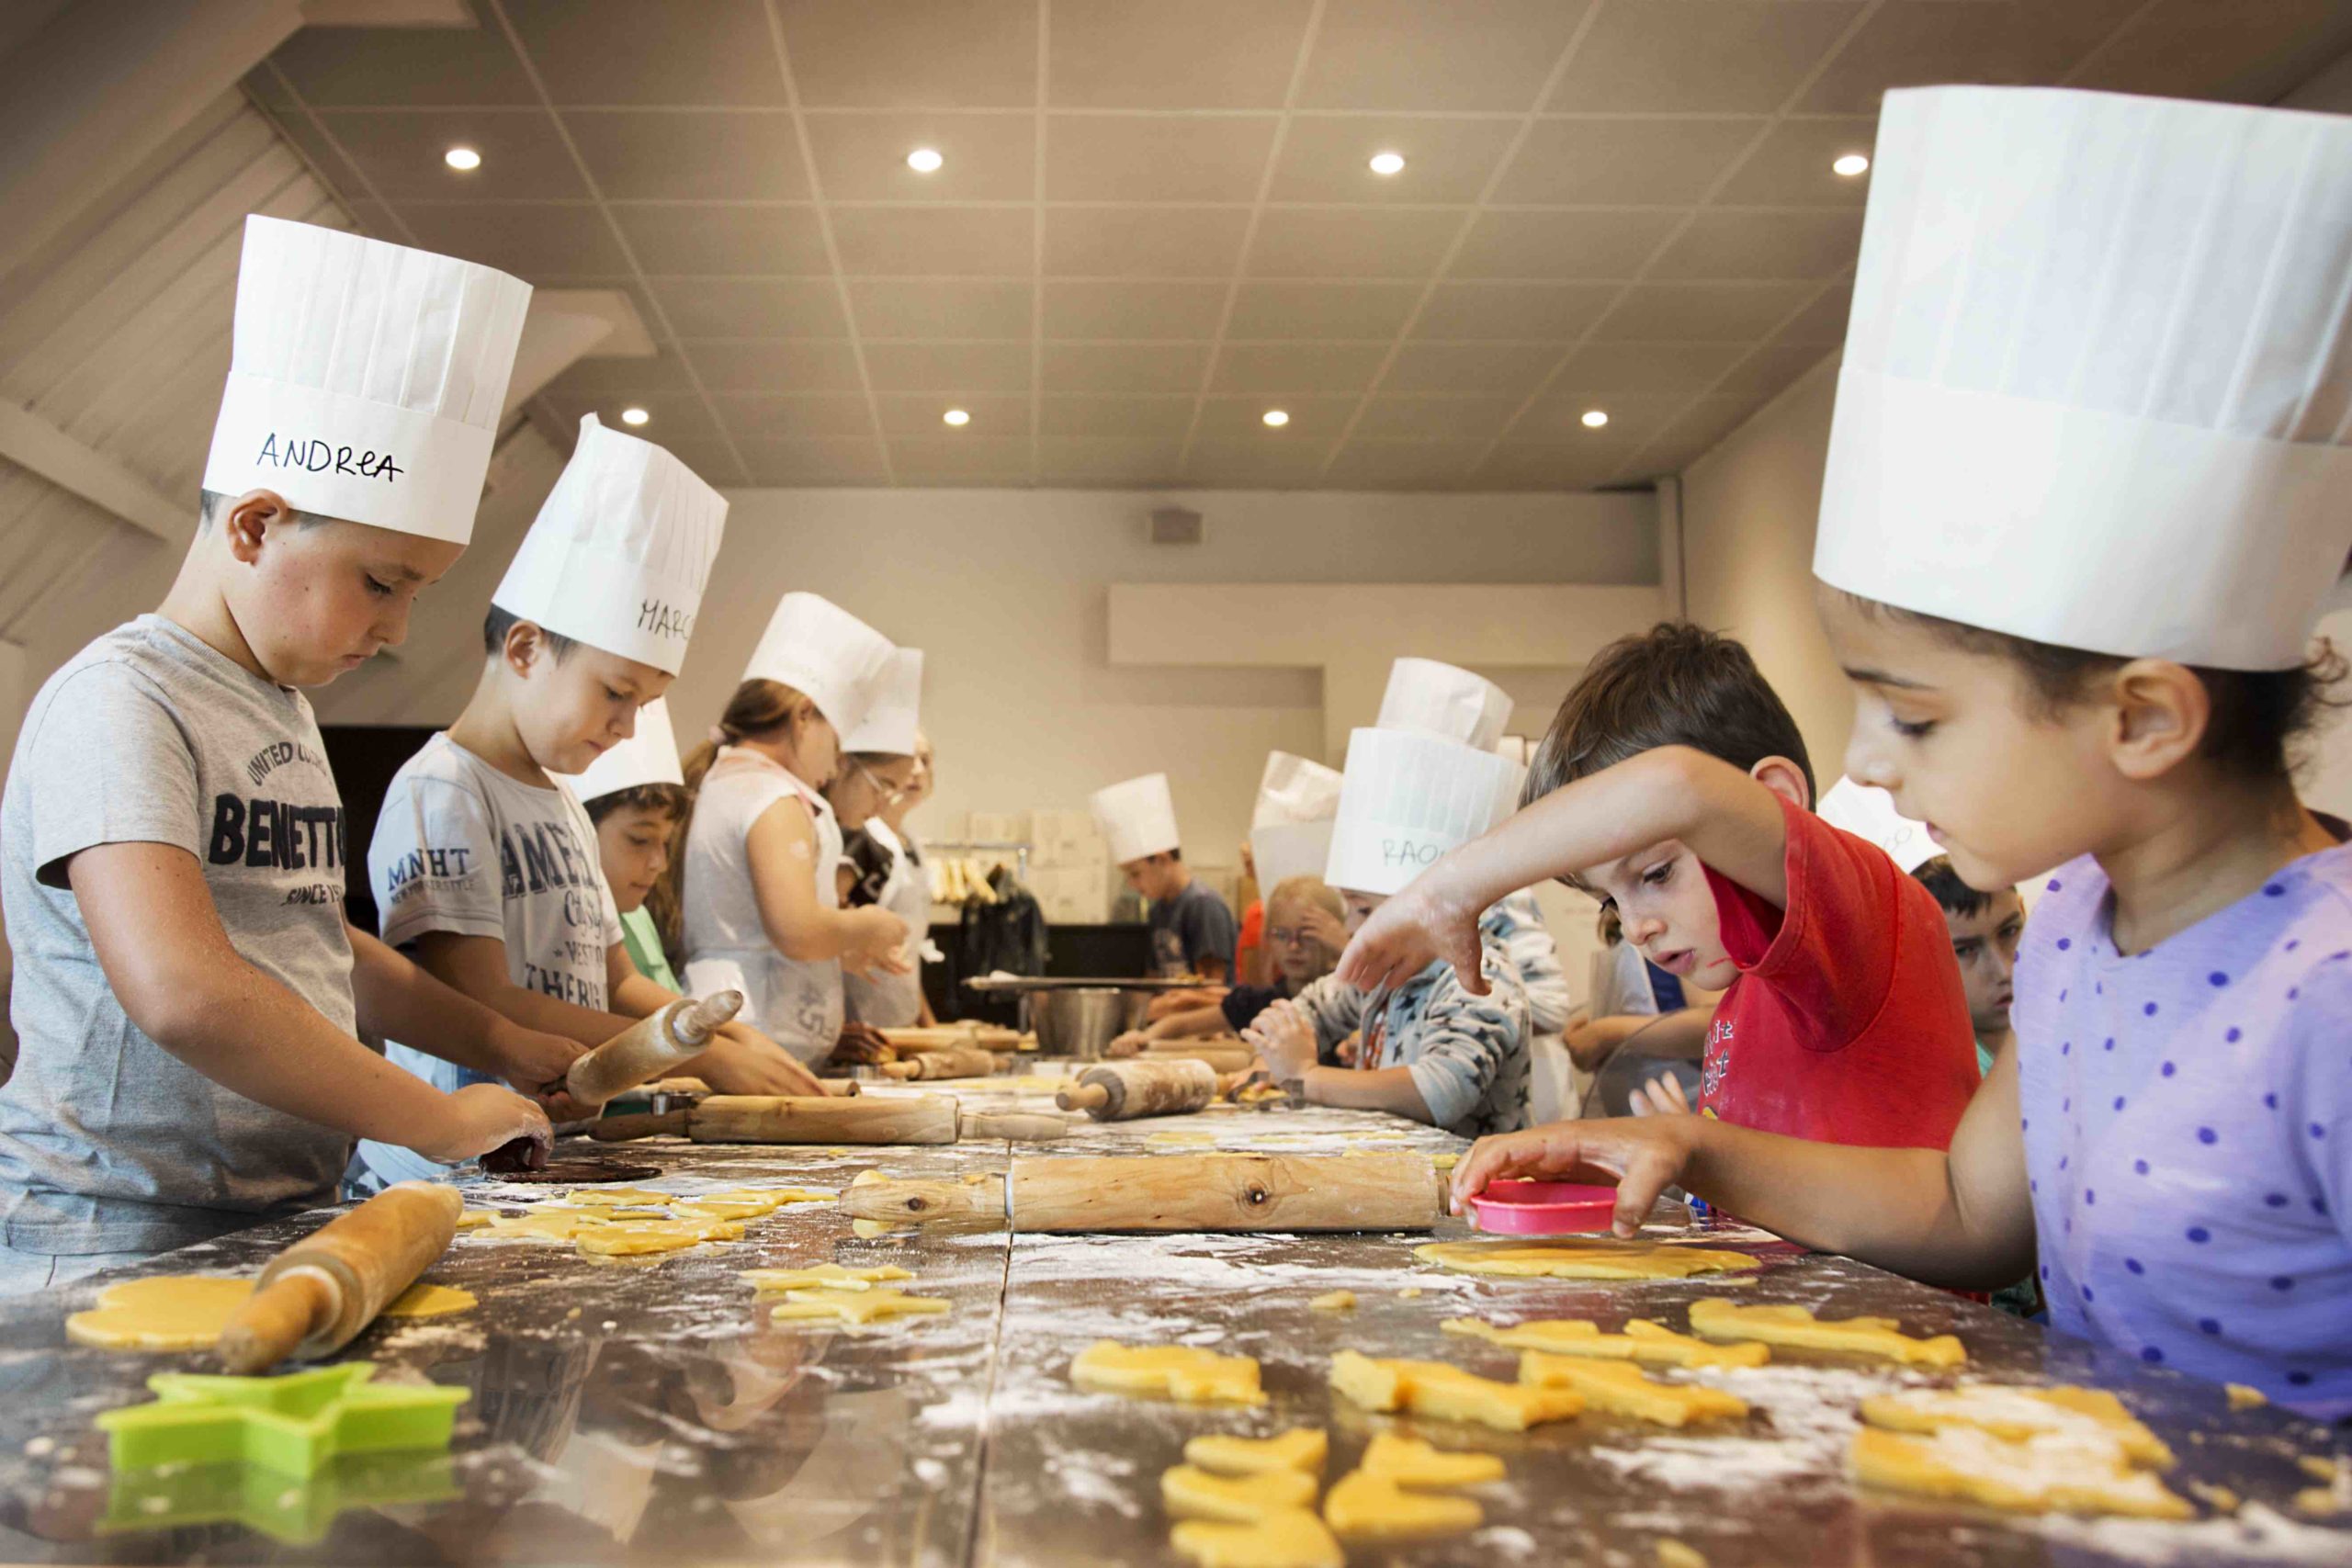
[(1192, 925), (107, 1140)]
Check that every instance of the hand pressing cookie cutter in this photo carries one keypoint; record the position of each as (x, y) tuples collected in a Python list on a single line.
[(1543, 1207)]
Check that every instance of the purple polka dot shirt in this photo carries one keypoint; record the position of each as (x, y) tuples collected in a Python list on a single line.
[(2191, 1162)]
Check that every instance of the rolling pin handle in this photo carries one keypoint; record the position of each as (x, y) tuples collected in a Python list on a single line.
[(902, 1071), (278, 1319), (1085, 1096), (1013, 1127), (693, 1025), (639, 1125)]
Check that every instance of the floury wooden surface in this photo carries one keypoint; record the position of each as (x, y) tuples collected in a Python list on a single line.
[(645, 1411)]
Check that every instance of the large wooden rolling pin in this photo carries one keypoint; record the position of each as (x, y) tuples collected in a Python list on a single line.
[(649, 1047), (1174, 1193), (869, 1119), (315, 1297), (1121, 1091), (956, 1062)]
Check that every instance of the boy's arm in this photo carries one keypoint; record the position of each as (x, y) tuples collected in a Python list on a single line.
[(1284, 1038), (476, 965), (159, 940), (399, 1000), (1678, 1036), (740, 1061), (1729, 820)]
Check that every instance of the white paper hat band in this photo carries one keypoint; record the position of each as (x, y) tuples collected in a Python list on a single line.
[(893, 716), (331, 455), (1407, 799), (826, 654)]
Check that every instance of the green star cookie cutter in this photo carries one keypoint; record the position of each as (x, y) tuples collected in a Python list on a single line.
[(291, 1425), (295, 1512)]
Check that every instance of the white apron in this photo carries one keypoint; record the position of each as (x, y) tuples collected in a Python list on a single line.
[(895, 1001)]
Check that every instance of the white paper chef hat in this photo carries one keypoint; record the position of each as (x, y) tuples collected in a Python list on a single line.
[(823, 652), (1440, 700), (620, 551), (647, 757), (1290, 829), (1868, 812), (1406, 800), (366, 380), (893, 716), (2097, 382), (1139, 817)]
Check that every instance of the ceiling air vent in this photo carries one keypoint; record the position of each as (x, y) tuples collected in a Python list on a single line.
[(1175, 526)]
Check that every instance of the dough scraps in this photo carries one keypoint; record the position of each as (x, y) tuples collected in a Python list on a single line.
[(622, 1198), (2244, 1397), (1180, 1372), (474, 1219), (1337, 1301), (2066, 1472), (2017, 1414), (1295, 1539), (1409, 1462), (170, 1312), (1196, 1493), (1301, 1449), (1626, 1390), (821, 1276), (860, 1306), (1674, 1554), (1366, 1507), (1175, 1138), (1642, 1341), (654, 1235), (1714, 1318), (422, 1300), (549, 1223), (1588, 1258), (1447, 1392)]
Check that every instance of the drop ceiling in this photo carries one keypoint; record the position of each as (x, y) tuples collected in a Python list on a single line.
[(1155, 219)]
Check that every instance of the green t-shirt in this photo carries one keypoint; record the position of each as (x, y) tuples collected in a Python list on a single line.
[(644, 945), (1983, 1052)]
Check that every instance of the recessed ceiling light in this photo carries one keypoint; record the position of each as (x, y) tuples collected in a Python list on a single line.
[(925, 160), (1387, 163), (1594, 418), (634, 416), (465, 160), (1277, 417), (1852, 163), (957, 417)]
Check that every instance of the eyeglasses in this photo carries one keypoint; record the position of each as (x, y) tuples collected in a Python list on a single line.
[(878, 784), (1285, 936)]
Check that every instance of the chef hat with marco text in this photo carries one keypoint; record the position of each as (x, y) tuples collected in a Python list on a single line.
[(647, 757), (825, 653), (1139, 817), (1440, 700), (620, 551), (894, 716), (366, 380), (1408, 797), (2098, 381), (1290, 829)]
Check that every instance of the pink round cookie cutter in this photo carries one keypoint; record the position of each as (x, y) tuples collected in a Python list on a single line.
[(1543, 1207)]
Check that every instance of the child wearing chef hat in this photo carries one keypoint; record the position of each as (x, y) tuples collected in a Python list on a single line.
[(483, 863), (880, 766), (1193, 929), (187, 991), (759, 891), (2089, 489), (636, 795)]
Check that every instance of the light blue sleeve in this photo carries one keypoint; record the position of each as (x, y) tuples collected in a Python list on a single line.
[(1458, 1046)]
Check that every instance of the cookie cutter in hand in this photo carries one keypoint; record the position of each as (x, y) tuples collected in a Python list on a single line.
[(1543, 1207)]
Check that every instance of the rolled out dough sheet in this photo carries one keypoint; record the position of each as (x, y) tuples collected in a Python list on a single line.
[(1582, 1258), (171, 1312)]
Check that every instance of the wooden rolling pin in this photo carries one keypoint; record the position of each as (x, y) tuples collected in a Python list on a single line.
[(956, 1062), (1121, 1091), (916, 1039), (649, 1047), (315, 1297), (1220, 1055), (1174, 1193), (870, 1118)]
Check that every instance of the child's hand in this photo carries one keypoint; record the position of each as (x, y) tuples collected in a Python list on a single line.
[(534, 1061), (1134, 1043), (1662, 1096), (743, 1061), (861, 1044), (1403, 935), (1326, 928), (1642, 1156), (1284, 1041), (880, 946), (483, 1117)]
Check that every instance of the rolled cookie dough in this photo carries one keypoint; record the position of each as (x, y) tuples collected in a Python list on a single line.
[(1642, 1341), (822, 1277), (854, 1306), (2017, 1414), (1192, 1493), (1715, 1319), (173, 1311), (1409, 1462), (1365, 1506), (1626, 1390), (1294, 1539), (422, 1300), (1301, 1448), (1180, 1372), (2061, 1472), (1447, 1392), (1592, 1258)]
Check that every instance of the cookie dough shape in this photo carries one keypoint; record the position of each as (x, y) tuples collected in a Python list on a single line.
[(1302, 1449), (1447, 1392), (621, 1198), (1196, 1493), (1582, 1258), (2017, 1414), (639, 1240), (1642, 1341), (1292, 1538), (422, 1300), (474, 1219), (171, 1312), (1713, 1318), (821, 1277), (1368, 1506), (1626, 1390), (1409, 1462), (2051, 1472), (854, 1306), (1180, 1372), (1337, 1301), (549, 1223)]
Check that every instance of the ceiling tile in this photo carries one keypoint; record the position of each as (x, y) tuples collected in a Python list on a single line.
[(680, 415), (1694, 432), (1764, 245), (1413, 417), (537, 242), (940, 308), (1297, 367), (332, 67), (1156, 157), (913, 53), (1566, 245), (723, 307), (1702, 312), (667, 155), (815, 460), (902, 241), (921, 458), (661, 372), (1513, 313), (1426, 54), (1703, 56), (948, 367), (1402, 465), (1824, 321), (1133, 309), (764, 416), (2249, 51), (1678, 369), (2008, 42), (1243, 419), (1557, 418), (1791, 168), (1121, 367), (1176, 242), (862, 157), (612, 52), (701, 240), (1321, 310), (523, 158), (995, 416), (1160, 418), (339, 172), (1328, 158), (1326, 242), (1764, 375), (1204, 54), (815, 365), (1496, 369), (1108, 460), (1632, 162), (1256, 465)]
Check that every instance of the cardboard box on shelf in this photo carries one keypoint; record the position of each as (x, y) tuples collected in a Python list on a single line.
[(1092, 856), (1076, 910), (994, 827)]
